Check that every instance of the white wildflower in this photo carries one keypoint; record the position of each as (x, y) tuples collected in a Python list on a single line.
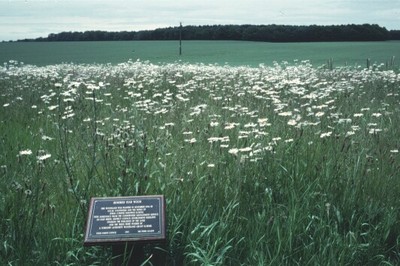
[(44, 137), (192, 140), (246, 149), (230, 125), (25, 152), (324, 135), (344, 120), (250, 125), (374, 130), (214, 124), (234, 151), (289, 113), (43, 157)]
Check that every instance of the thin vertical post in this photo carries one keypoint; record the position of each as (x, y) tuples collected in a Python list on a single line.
[(180, 39)]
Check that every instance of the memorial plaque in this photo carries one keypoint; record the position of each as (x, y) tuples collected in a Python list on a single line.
[(125, 219)]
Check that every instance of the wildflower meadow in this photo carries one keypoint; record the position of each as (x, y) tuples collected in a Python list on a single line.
[(289, 164)]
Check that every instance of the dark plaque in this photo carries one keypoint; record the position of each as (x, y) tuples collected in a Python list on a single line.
[(125, 219)]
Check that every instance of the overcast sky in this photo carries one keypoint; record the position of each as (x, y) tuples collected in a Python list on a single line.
[(21, 19)]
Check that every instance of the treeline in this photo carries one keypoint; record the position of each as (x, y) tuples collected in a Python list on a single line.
[(265, 33)]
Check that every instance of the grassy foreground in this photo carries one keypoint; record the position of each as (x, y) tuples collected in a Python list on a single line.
[(281, 165)]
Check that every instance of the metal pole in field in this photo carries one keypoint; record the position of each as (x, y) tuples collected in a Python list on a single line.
[(180, 39)]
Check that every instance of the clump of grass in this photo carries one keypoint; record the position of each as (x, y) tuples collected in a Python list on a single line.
[(287, 164)]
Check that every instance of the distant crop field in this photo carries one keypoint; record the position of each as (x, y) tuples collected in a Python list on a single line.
[(288, 164), (233, 53)]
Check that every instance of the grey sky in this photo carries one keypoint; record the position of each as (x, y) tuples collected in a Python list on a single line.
[(37, 18)]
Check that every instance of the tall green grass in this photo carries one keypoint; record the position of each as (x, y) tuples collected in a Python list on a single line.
[(281, 165)]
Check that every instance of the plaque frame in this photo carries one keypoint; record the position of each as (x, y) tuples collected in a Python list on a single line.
[(106, 210)]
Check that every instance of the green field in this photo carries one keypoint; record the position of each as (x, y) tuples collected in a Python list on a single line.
[(272, 165), (207, 52)]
